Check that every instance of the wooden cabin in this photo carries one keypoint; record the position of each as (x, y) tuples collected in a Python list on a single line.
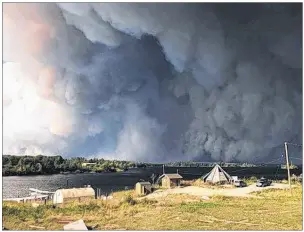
[(171, 180), (143, 188)]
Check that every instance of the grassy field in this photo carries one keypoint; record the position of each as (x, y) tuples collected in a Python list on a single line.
[(276, 210)]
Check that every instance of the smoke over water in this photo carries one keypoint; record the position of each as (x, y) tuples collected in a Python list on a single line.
[(152, 82)]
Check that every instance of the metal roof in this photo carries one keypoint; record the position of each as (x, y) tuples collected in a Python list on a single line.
[(174, 176), (144, 183), (76, 192)]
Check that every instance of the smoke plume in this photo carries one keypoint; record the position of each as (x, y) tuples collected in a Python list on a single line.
[(152, 82)]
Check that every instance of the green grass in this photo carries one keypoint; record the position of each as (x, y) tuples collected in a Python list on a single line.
[(276, 210)]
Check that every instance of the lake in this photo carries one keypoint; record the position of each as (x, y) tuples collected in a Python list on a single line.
[(14, 186)]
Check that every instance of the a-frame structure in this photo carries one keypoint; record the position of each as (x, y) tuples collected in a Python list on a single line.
[(216, 175)]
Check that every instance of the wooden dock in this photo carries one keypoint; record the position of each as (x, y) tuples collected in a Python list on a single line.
[(36, 195), (30, 198), (40, 191)]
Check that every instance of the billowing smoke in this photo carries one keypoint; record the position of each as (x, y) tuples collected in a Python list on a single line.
[(152, 82)]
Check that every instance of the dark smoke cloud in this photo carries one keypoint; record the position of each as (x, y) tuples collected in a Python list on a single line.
[(152, 82)]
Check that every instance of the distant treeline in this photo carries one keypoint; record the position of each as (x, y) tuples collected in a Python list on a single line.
[(35, 165), (197, 164), (211, 164)]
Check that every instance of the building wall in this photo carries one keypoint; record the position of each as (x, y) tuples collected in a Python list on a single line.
[(169, 183), (139, 189), (142, 189), (166, 182), (66, 200), (60, 199), (88, 164), (57, 199)]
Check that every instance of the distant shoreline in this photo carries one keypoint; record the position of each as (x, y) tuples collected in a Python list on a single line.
[(49, 165), (62, 173), (297, 170)]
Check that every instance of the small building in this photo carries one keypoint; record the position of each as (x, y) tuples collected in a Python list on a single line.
[(143, 188), (80, 194), (217, 175), (170, 180), (87, 164)]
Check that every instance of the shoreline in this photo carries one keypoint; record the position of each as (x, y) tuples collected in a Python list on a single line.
[(63, 173)]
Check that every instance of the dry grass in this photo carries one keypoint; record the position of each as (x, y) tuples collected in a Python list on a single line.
[(276, 210), (201, 183)]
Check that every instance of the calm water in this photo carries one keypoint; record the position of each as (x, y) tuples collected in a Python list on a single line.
[(14, 186)]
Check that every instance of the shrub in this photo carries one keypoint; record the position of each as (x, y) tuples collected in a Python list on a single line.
[(24, 211), (88, 207), (11, 211), (148, 201), (221, 197), (129, 200), (37, 213)]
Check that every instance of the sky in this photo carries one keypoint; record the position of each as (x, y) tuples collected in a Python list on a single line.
[(152, 82)]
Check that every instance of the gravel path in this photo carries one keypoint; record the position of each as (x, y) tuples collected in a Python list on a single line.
[(200, 191)]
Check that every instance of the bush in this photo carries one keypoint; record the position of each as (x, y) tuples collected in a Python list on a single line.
[(10, 211), (24, 211), (88, 207), (129, 200), (188, 182), (37, 213), (148, 201)]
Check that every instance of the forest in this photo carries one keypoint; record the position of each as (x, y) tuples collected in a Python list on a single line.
[(35, 165)]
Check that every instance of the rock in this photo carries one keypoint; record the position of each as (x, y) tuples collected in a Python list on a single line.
[(77, 225), (205, 198)]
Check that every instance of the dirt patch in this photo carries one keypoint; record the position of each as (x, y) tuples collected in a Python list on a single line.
[(201, 191)]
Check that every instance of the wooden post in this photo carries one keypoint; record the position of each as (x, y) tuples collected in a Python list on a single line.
[(287, 165), (163, 169)]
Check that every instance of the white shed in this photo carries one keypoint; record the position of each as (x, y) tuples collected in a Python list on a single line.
[(65, 195), (143, 188)]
